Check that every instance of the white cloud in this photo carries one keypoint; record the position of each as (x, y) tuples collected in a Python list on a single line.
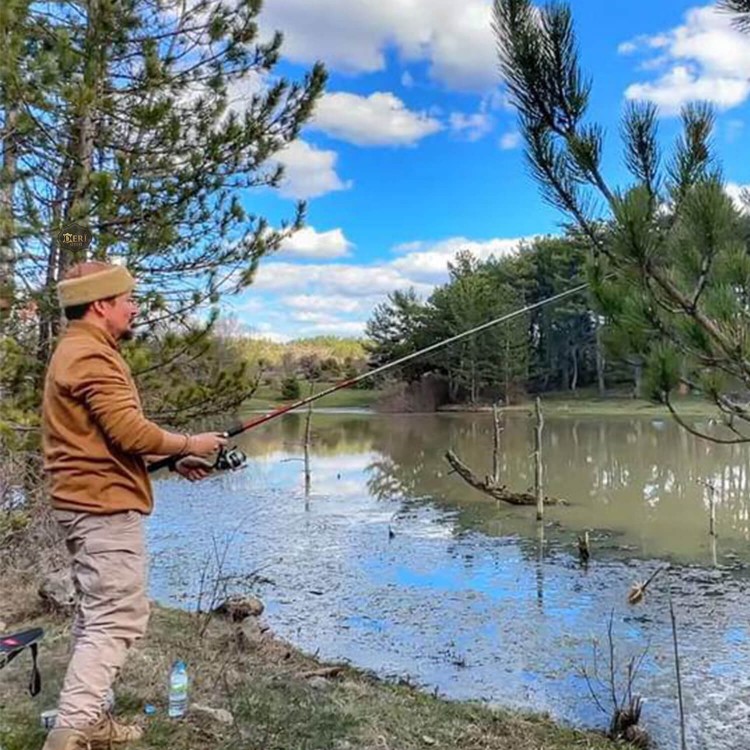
[(421, 265), (377, 120), (312, 302), (429, 263), (509, 141), (353, 36), (315, 298), (339, 328), (682, 85), (265, 331), (473, 127), (240, 92), (739, 194), (316, 317), (332, 278), (407, 80), (309, 243), (705, 58), (309, 172), (338, 298)]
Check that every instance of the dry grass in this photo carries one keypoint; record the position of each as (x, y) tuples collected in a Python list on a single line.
[(274, 704)]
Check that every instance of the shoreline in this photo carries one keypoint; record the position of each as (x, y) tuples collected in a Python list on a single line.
[(276, 696), (692, 409)]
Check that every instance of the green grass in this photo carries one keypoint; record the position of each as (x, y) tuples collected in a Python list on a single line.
[(585, 402), (268, 397), (588, 403), (276, 700)]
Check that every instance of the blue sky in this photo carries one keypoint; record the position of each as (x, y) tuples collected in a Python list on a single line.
[(413, 152)]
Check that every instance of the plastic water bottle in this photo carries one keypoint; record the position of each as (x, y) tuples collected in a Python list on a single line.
[(178, 690)]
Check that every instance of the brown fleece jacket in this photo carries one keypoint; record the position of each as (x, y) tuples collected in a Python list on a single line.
[(95, 435)]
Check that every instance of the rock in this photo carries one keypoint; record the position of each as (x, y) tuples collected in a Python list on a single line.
[(319, 683), (58, 593), (238, 608), (3, 626), (220, 715), (250, 634)]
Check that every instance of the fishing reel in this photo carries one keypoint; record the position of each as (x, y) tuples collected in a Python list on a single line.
[(227, 459), (230, 459)]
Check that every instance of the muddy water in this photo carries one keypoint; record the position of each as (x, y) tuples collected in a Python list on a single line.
[(468, 598)]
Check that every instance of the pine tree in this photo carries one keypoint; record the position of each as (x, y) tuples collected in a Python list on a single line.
[(150, 123), (395, 330), (670, 265)]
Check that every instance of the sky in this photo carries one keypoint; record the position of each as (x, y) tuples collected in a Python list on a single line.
[(413, 152)]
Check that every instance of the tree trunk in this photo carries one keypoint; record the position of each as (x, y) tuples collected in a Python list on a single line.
[(507, 372), (7, 224), (73, 201), (601, 362), (574, 379), (638, 379)]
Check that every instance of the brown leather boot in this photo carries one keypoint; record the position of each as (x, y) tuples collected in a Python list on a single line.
[(107, 732), (66, 739)]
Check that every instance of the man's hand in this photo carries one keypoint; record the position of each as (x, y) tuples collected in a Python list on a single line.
[(206, 443), (194, 468)]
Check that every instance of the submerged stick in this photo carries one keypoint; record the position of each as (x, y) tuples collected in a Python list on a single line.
[(308, 425), (683, 741), (538, 471), (496, 443), (711, 506)]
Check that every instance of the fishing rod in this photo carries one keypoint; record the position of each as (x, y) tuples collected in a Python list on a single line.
[(241, 427)]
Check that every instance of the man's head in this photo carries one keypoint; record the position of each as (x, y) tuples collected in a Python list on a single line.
[(100, 293)]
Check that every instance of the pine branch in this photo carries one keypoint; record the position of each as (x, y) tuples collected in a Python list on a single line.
[(741, 11)]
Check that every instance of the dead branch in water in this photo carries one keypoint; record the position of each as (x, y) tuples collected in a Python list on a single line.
[(538, 468), (493, 488)]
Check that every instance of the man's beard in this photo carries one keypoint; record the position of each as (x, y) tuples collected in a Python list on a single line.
[(128, 335)]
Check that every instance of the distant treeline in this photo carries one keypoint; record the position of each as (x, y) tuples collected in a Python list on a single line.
[(558, 347)]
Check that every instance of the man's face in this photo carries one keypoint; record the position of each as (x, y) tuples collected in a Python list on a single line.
[(119, 314)]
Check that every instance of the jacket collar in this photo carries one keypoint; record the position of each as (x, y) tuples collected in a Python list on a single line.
[(84, 328)]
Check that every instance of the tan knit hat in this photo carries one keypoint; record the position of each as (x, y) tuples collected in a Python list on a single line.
[(88, 282)]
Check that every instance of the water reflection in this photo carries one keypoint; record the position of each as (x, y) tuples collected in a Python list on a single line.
[(475, 599), (642, 479)]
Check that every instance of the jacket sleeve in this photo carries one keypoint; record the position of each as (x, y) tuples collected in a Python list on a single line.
[(97, 380)]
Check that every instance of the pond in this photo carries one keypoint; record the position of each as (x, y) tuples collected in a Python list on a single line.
[(394, 564)]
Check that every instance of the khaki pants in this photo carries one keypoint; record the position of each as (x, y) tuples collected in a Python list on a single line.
[(109, 571)]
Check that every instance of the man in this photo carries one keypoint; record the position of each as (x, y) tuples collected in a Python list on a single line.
[(96, 444)]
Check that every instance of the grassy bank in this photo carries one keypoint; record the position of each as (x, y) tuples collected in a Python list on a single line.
[(583, 403), (267, 397), (562, 404), (279, 698)]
